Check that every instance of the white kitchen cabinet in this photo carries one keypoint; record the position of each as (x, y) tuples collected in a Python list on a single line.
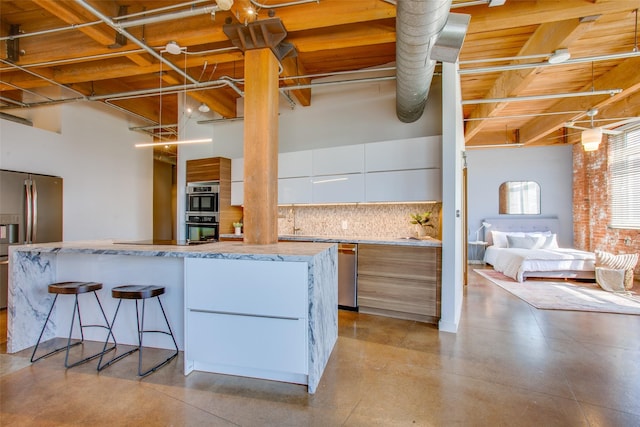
[(404, 154), (247, 317), (338, 188), (404, 186), (338, 160), (294, 190), (237, 193), (294, 164), (237, 169), (258, 343)]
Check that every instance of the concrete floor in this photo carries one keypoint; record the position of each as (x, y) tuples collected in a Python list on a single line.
[(509, 365)]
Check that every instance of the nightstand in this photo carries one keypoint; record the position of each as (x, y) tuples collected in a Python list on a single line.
[(476, 252)]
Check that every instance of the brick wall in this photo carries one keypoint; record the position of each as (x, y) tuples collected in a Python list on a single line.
[(591, 207)]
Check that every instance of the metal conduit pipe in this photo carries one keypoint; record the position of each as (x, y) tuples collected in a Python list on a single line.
[(276, 6), (48, 80), (134, 39), (206, 10), (418, 23), (149, 49), (214, 84)]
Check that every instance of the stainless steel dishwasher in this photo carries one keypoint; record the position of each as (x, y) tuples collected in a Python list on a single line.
[(348, 276)]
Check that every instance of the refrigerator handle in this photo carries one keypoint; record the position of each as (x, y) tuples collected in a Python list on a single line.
[(34, 201), (28, 210)]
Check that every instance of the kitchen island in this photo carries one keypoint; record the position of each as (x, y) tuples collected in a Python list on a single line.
[(264, 311)]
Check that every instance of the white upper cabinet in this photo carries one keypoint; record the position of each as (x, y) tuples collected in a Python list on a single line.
[(338, 160), (403, 154), (402, 170), (338, 188), (294, 190), (237, 193), (294, 164), (237, 169), (404, 186)]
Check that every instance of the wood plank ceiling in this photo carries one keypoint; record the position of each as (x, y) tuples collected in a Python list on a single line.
[(67, 50)]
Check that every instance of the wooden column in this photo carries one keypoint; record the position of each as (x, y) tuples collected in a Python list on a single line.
[(261, 147)]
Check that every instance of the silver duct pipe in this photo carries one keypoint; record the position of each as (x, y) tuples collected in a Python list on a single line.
[(418, 23)]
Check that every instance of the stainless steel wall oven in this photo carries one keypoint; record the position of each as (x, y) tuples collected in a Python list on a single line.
[(203, 197), (202, 216)]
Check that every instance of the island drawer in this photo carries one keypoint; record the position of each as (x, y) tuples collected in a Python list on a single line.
[(247, 287), (259, 343)]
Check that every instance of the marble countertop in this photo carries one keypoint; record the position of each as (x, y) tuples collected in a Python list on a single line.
[(351, 239), (282, 251)]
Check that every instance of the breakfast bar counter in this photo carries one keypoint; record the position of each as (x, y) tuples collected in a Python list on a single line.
[(264, 311)]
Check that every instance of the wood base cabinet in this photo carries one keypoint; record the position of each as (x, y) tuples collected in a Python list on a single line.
[(400, 281)]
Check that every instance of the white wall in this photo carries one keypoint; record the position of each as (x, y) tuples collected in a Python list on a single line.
[(107, 182), (338, 115), (551, 167)]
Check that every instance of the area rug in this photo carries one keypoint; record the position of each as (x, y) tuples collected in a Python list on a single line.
[(566, 295)]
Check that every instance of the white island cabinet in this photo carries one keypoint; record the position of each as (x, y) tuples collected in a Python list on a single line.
[(263, 311), (260, 306)]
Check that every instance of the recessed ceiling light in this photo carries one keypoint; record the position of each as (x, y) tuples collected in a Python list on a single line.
[(559, 56)]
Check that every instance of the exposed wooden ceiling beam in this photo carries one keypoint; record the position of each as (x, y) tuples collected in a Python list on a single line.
[(98, 33), (521, 13), (222, 103), (624, 76), (548, 37), (295, 67)]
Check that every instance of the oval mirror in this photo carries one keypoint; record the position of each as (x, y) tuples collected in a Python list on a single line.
[(519, 198)]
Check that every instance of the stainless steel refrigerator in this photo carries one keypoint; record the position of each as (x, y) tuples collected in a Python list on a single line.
[(30, 212)]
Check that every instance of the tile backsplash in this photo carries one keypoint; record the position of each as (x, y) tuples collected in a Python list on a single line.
[(357, 220)]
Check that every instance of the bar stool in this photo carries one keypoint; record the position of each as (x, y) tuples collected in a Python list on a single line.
[(74, 288), (139, 292)]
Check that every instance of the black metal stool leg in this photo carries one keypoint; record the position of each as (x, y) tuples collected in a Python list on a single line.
[(57, 350), (67, 347), (140, 292), (115, 359), (170, 333)]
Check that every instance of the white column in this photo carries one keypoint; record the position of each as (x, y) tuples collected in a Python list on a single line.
[(452, 227)]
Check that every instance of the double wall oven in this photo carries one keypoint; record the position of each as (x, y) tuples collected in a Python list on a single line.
[(202, 215)]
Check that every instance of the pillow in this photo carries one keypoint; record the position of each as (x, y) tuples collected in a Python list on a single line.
[(500, 238), (525, 242), (616, 262), (551, 242)]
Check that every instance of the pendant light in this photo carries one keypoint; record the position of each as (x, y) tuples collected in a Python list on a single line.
[(591, 138), (174, 48)]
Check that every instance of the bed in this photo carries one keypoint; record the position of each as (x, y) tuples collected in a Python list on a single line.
[(523, 248)]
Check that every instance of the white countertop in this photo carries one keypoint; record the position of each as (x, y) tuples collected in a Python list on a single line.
[(283, 250)]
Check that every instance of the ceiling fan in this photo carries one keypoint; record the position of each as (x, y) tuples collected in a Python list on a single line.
[(592, 136)]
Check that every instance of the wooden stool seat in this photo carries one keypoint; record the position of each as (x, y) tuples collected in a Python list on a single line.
[(75, 289), (139, 292)]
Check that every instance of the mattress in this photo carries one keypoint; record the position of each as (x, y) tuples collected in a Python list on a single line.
[(521, 263)]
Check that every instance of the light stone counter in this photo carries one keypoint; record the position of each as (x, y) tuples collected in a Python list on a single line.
[(33, 267), (401, 241)]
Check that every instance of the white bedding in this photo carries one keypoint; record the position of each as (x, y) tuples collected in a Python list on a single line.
[(521, 263)]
